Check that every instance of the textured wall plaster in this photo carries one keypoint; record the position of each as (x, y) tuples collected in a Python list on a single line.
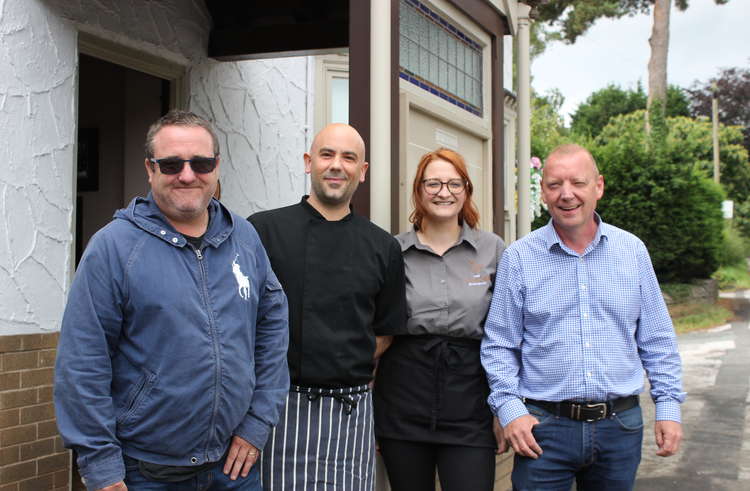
[(176, 30), (259, 109), (37, 56)]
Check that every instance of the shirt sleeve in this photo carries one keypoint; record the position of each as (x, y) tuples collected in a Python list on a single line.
[(390, 302), (271, 369), (83, 371), (501, 344), (657, 344), (500, 248)]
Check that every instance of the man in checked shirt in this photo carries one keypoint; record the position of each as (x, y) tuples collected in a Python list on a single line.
[(576, 316)]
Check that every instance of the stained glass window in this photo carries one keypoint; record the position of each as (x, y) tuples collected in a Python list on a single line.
[(438, 57)]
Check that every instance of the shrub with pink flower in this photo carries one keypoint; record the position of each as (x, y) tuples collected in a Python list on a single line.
[(535, 171)]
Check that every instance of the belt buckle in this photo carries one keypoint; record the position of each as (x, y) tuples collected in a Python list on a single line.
[(602, 411)]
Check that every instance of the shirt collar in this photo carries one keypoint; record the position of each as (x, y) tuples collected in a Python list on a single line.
[(316, 214), (468, 235), (551, 238)]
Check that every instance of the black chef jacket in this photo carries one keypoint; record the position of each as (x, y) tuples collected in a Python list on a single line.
[(345, 284)]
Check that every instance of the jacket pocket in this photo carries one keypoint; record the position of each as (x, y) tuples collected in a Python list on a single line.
[(138, 394)]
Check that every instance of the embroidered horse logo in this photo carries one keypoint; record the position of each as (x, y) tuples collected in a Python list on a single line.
[(242, 281)]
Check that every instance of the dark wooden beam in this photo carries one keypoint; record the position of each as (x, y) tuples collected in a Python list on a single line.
[(484, 14), (359, 88), (273, 28), (278, 40)]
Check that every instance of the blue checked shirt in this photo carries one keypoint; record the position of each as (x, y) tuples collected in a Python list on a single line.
[(568, 326)]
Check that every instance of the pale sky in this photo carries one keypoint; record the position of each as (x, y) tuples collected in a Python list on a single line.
[(703, 39)]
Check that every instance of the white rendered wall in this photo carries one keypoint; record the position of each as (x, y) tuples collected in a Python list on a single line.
[(260, 110), (37, 133)]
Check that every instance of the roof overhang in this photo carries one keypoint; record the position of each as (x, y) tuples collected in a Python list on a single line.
[(277, 28)]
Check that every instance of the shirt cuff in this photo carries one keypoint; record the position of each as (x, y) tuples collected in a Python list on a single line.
[(668, 411), (514, 408)]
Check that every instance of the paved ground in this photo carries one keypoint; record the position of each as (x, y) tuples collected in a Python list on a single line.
[(716, 416)]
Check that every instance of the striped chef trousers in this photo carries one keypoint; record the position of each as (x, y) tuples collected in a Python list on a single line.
[(324, 441)]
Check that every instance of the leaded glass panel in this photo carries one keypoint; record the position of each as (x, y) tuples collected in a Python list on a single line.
[(437, 57)]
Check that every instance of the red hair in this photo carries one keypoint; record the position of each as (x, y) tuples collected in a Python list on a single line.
[(468, 213)]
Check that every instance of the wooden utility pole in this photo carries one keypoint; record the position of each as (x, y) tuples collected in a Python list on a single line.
[(715, 120)]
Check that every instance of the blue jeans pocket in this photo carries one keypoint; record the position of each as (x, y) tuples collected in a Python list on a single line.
[(630, 419), (542, 415)]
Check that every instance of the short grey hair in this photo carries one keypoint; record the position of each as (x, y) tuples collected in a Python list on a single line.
[(178, 117), (568, 149)]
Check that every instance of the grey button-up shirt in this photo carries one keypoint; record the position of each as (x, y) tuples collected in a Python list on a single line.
[(450, 294)]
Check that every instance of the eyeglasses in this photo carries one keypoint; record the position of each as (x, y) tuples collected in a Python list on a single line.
[(174, 165), (434, 186)]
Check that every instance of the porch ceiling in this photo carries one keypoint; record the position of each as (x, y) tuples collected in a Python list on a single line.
[(273, 28)]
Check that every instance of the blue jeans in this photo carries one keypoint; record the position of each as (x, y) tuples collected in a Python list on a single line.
[(212, 479), (602, 455)]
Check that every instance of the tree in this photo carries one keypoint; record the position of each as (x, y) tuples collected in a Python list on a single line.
[(547, 132), (733, 86), (569, 19), (657, 62), (547, 128), (652, 192), (694, 139), (593, 115)]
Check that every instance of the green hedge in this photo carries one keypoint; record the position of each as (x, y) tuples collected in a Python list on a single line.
[(674, 208), (734, 251)]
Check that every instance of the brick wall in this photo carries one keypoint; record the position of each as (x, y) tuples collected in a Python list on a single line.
[(32, 457)]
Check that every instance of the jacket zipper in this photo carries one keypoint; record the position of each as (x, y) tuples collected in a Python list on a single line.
[(217, 366)]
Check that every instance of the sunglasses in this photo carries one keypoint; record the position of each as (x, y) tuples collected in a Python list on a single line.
[(174, 165)]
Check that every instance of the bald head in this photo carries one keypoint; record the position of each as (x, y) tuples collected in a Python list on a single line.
[(571, 150), (339, 132), (571, 187), (336, 164)]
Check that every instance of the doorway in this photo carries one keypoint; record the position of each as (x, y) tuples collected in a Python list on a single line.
[(116, 105)]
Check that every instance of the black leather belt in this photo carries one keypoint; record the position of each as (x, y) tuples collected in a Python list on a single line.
[(586, 411)]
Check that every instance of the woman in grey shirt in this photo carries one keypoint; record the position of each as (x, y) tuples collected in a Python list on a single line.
[(431, 392)]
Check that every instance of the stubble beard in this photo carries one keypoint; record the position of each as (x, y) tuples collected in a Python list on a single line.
[(184, 209), (332, 197)]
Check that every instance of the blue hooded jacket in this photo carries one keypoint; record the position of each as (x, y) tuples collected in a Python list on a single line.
[(166, 352)]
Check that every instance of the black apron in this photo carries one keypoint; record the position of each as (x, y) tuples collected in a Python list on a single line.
[(433, 389)]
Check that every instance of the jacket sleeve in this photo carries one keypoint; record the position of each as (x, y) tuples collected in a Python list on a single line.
[(83, 371), (271, 370)]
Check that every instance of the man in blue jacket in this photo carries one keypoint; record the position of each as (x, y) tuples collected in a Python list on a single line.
[(172, 357)]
